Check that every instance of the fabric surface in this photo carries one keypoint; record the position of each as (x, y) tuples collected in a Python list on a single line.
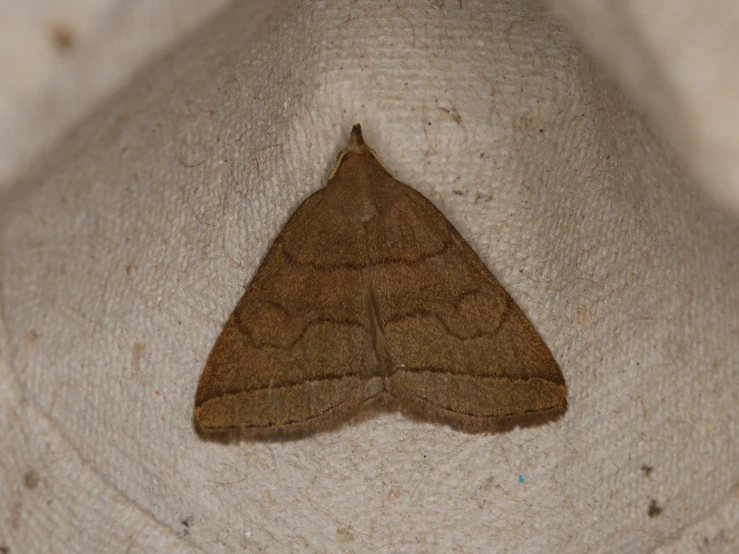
[(124, 251), (58, 59), (678, 58)]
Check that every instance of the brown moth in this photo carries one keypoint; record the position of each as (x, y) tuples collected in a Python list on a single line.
[(370, 298)]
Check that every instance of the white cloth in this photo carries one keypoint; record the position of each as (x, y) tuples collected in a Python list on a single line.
[(123, 254)]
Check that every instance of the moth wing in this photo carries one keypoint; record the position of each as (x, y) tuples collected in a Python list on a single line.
[(293, 355), (460, 349)]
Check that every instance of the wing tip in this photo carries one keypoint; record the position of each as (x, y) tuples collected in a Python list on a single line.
[(423, 412), (355, 410)]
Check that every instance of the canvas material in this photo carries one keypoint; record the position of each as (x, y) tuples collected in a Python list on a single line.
[(58, 59), (678, 59), (123, 255)]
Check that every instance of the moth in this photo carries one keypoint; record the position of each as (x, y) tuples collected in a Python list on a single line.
[(369, 298)]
